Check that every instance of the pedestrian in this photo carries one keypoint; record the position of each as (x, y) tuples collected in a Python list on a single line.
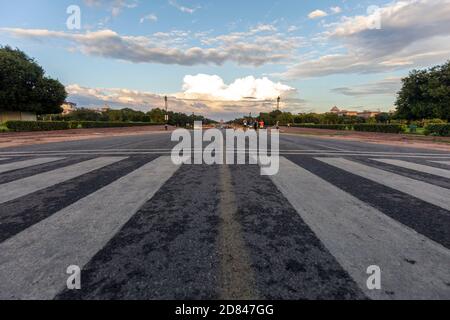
[(261, 124), (255, 125)]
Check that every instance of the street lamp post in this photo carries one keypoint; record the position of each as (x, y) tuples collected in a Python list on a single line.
[(278, 103), (166, 116)]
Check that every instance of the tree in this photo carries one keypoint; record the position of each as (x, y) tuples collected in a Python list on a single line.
[(85, 115), (331, 118), (24, 87), (285, 118), (425, 94), (383, 117), (157, 115)]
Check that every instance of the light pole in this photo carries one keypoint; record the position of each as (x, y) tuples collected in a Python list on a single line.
[(278, 103), (166, 116)]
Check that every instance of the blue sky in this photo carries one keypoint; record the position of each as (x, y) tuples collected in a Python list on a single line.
[(228, 58)]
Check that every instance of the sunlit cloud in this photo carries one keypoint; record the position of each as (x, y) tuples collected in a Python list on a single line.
[(205, 94), (317, 14)]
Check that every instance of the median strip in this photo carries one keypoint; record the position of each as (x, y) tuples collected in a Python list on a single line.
[(236, 275)]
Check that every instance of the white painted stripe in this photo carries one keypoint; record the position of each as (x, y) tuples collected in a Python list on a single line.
[(1, 159), (442, 162), (335, 151), (25, 164), (443, 157), (359, 236), (417, 167), (33, 263), (421, 190), (19, 188)]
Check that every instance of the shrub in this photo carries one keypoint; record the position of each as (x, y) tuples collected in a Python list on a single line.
[(384, 128), (102, 124), (65, 125), (442, 130), (36, 125)]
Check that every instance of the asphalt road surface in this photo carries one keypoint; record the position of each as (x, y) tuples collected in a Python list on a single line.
[(141, 227)]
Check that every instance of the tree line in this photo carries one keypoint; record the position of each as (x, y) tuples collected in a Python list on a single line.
[(156, 115), (283, 118)]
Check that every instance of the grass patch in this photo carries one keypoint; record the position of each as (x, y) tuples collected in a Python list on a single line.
[(419, 131)]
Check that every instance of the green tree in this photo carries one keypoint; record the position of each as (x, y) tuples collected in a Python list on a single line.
[(24, 87), (85, 115), (157, 115), (331, 118), (425, 94), (383, 117)]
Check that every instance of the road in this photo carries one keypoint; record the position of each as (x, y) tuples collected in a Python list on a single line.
[(141, 227)]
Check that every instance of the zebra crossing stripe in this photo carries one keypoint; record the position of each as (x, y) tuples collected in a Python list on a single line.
[(25, 164), (33, 263), (442, 162), (19, 188), (358, 236), (416, 167), (421, 190), (1, 159)]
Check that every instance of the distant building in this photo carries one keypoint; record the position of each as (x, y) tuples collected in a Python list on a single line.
[(346, 113), (68, 107), (335, 110), (103, 109), (17, 116), (368, 114)]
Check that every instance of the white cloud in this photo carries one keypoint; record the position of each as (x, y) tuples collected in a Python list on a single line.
[(182, 8), (336, 10), (317, 14), (150, 17), (213, 87), (247, 48), (407, 38), (115, 6), (389, 86)]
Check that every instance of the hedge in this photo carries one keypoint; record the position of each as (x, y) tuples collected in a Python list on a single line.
[(324, 126), (384, 128), (442, 130), (65, 125), (37, 125), (101, 124)]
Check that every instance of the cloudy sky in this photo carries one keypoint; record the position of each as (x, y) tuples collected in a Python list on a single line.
[(224, 59)]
